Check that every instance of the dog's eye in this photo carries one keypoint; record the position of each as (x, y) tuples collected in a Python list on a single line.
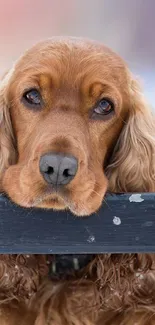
[(104, 107), (32, 97)]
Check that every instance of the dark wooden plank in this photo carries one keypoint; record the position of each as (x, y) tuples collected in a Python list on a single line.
[(125, 223)]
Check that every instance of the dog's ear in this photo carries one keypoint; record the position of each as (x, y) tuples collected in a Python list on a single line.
[(132, 166), (7, 140)]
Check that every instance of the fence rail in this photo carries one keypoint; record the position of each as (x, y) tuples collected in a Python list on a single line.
[(125, 223)]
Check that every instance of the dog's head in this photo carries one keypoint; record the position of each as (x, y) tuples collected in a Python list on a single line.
[(73, 123)]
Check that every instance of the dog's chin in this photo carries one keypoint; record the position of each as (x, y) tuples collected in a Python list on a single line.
[(58, 205), (77, 209), (55, 203), (84, 206)]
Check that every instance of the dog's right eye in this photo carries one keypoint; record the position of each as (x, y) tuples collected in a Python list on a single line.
[(32, 98)]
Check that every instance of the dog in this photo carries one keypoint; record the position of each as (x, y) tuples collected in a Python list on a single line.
[(74, 124)]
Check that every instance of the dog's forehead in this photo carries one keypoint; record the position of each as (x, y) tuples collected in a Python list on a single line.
[(76, 55), (71, 45), (71, 64)]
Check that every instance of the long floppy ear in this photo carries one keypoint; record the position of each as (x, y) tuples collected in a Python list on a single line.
[(132, 167), (7, 140)]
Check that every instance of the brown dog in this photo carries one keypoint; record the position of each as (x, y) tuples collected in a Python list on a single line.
[(74, 124), (66, 105)]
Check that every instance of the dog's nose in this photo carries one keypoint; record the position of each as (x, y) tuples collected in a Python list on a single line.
[(58, 169)]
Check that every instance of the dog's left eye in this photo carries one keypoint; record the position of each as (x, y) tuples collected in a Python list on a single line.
[(104, 107), (32, 97)]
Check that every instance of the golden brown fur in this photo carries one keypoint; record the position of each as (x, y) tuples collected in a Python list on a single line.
[(116, 154)]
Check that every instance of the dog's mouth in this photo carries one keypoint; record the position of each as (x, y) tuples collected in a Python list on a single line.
[(57, 202), (78, 205), (82, 202), (52, 201)]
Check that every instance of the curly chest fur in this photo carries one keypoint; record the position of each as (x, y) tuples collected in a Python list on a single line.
[(120, 280)]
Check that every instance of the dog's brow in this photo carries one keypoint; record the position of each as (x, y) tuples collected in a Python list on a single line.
[(44, 81)]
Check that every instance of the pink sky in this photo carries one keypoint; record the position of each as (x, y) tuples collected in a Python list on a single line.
[(121, 24), (24, 22)]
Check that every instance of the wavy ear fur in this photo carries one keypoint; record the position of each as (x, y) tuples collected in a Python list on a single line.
[(7, 140), (132, 165)]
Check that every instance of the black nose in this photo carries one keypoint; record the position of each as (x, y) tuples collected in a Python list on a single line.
[(58, 169)]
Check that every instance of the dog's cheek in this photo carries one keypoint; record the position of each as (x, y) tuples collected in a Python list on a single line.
[(10, 178), (89, 202), (11, 184)]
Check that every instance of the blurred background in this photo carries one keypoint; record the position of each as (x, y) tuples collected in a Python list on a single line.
[(127, 26)]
